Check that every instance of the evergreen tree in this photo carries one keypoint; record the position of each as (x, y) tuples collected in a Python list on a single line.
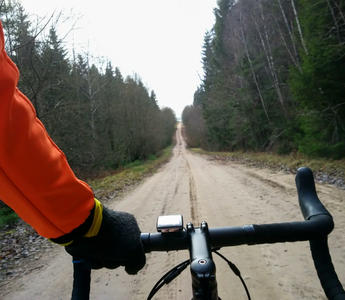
[(54, 94), (319, 88), (99, 119)]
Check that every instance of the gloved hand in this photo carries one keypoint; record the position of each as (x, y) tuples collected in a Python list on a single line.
[(117, 244)]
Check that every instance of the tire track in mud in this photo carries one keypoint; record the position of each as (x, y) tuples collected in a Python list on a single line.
[(164, 207), (178, 143), (192, 197), (172, 286)]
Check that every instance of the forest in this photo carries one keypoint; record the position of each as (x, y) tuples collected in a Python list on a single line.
[(274, 79), (98, 118)]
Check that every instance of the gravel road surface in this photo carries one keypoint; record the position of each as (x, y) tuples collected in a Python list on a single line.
[(223, 194)]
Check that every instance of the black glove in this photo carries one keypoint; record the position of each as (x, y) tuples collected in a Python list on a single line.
[(117, 244)]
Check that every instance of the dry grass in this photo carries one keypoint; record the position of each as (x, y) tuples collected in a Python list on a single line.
[(112, 184), (291, 162), (132, 174)]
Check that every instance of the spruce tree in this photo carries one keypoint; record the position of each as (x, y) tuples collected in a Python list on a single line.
[(319, 88)]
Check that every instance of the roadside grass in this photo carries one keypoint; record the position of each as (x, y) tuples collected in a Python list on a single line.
[(287, 162), (131, 174), (7, 216)]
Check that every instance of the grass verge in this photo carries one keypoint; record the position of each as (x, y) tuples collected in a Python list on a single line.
[(288, 162), (7, 216), (129, 175)]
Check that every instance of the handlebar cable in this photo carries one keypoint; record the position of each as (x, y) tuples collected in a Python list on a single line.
[(168, 277), (236, 271)]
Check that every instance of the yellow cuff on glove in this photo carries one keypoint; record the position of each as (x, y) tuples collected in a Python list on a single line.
[(95, 226), (97, 220)]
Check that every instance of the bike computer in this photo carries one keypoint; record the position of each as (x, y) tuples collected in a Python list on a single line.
[(171, 223)]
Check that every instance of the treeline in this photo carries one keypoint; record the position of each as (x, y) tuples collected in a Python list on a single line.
[(98, 118), (274, 79)]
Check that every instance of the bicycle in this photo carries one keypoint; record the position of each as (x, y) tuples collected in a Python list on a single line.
[(202, 241)]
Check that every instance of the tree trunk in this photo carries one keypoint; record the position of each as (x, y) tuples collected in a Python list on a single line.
[(253, 73), (299, 27)]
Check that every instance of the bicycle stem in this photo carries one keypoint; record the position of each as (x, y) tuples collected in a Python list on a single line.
[(202, 267)]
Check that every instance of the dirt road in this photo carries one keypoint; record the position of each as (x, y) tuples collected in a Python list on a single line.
[(223, 195)]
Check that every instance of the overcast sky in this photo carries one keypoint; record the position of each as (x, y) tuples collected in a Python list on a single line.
[(159, 40)]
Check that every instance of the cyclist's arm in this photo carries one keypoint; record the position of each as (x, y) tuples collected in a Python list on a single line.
[(35, 178)]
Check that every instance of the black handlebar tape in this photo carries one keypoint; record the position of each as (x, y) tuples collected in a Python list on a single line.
[(164, 241), (312, 209), (325, 270), (308, 200), (318, 226), (81, 281)]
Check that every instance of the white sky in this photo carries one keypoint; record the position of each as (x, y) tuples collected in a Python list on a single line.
[(160, 40)]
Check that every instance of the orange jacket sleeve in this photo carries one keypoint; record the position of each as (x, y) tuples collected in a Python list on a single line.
[(35, 178)]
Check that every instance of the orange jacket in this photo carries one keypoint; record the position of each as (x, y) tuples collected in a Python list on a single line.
[(35, 178)]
